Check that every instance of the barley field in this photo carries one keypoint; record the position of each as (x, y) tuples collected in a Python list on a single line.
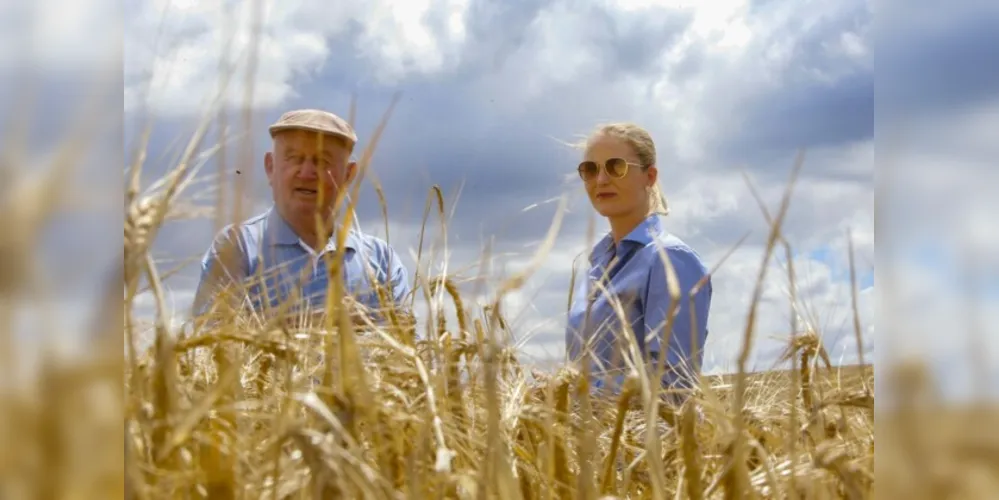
[(334, 406), (245, 408)]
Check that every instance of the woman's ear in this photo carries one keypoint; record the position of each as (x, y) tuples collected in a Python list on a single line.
[(653, 175)]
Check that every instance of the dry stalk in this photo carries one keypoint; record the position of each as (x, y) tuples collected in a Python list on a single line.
[(629, 389), (377, 429), (738, 480), (693, 470)]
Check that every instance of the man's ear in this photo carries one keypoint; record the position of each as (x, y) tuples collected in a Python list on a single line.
[(351, 171), (269, 165)]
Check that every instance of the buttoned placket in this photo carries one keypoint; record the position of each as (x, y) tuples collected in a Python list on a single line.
[(313, 257), (614, 267), (603, 274)]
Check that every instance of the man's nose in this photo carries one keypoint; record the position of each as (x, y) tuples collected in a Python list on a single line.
[(309, 169)]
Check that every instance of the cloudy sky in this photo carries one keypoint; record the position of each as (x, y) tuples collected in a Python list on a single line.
[(729, 89)]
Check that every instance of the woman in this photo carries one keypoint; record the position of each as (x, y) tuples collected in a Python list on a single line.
[(626, 272)]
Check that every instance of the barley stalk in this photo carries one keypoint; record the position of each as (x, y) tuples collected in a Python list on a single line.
[(230, 411)]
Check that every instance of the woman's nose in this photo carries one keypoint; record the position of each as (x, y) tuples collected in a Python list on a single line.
[(602, 177)]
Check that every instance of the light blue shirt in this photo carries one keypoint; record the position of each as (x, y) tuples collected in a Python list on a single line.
[(287, 266), (638, 281)]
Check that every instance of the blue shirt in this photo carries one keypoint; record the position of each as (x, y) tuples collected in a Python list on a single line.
[(267, 245), (638, 281)]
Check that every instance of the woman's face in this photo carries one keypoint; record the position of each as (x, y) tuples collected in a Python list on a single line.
[(615, 182)]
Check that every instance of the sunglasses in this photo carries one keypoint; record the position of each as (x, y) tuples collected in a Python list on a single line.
[(616, 168)]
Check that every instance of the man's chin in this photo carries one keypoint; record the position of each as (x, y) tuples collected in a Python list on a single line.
[(308, 209)]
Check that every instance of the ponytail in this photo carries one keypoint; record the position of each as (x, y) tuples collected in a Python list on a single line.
[(657, 202)]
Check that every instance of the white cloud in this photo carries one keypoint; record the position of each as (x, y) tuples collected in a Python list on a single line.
[(181, 70), (397, 35), (83, 36), (723, 60), (558, 50)]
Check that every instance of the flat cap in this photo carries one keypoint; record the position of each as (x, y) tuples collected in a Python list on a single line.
[(315, 120)]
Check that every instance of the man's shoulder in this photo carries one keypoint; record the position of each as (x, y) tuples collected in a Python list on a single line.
[(242, 232), (233, 245), (373, 246), (379, 255)]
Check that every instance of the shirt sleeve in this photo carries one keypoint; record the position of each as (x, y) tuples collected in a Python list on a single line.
[(398, 278), (683, 351), (223, 263)]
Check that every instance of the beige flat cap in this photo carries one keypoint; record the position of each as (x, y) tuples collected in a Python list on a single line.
[(315, 120)]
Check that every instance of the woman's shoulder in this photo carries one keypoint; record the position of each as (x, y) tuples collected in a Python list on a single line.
[(679, 251)]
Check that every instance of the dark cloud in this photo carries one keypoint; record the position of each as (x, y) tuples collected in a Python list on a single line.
[(807, 116), (634, 43), (490, 127), (825, 94), (497, 30), (932, 60), (459, 129), (630, 43)]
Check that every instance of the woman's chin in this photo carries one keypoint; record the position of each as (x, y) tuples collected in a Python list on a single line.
[(609, 208)]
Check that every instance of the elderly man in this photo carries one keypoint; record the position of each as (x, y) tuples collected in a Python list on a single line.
[(281, 254)]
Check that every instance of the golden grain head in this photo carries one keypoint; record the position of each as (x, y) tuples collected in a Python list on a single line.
[(250, 409)]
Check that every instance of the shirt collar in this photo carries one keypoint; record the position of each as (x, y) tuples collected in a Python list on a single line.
[(643, 234), (280, 233)]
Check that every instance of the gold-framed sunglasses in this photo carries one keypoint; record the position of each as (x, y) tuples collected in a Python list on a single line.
[(616, 168)]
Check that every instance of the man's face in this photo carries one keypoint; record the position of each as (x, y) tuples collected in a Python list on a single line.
[(306, 171)]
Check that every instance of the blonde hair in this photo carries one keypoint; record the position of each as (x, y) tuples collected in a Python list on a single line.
[(644, 147)]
